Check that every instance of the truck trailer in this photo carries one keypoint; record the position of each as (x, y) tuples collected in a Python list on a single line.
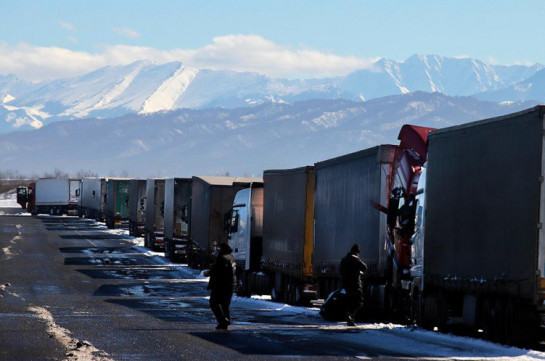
[(116, 201), (154, 225), (93, 190), (288, 233), (346, 188), (177, 218), (137, 206), (483, 261)]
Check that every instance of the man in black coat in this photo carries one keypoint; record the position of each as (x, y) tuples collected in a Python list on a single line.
[(222, 284), (352, 269)]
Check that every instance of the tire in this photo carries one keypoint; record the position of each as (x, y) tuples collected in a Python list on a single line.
[(169, 254), (146, 240), (276, 289)]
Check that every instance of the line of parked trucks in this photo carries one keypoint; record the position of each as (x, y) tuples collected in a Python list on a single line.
[(449, 222)]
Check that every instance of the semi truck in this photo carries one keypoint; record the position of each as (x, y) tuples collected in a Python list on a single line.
[(245, 233), (116, 201), (53, 196), (93, 191), (154, 225), (344, 215), (137, 206), (367, 198), (177, 218), (211, 199), (480, 229)]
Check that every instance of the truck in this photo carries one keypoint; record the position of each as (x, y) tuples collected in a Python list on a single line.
[(177, 218), (288, 234), (93, 191), (137, 206), (52, 196), (211, 199), (154, 225), (245, 233), (346, 186), (116, 201), (367, 198), (480, 229)]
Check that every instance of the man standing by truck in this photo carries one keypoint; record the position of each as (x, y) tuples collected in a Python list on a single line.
[(352, 269), (223, 282)]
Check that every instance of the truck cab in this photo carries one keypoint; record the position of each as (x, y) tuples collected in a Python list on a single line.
[(245, 226)]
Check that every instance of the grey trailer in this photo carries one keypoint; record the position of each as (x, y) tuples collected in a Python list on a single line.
[(116, 201), (346, 188), (484, 243), (212, 199), (92, 198), (177, 217), (154, 225), (288, 233), (137, 206)]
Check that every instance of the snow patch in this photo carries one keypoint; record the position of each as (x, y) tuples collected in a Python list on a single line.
[(77, 350), (8, 98), (164, 98)]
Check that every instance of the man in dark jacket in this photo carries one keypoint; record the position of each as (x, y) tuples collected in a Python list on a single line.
[(222, 284), (352, 269)]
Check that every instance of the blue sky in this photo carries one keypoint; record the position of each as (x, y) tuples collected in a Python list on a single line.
[(55, 38)]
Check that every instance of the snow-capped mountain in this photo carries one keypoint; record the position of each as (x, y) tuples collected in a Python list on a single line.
[(529, 89), (144, 87), (241, 141)]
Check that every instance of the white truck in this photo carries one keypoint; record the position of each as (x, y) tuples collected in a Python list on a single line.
[(53, 196)]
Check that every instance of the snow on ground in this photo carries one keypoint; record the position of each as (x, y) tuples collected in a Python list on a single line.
[(9, 200)]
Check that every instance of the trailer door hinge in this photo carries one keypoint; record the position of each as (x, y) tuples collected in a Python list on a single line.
[(539, 226), (541, 179)]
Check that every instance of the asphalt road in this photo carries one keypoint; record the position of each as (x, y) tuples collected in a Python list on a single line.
[(72, 290)]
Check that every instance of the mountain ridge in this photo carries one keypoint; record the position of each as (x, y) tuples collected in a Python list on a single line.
[(146, 87)]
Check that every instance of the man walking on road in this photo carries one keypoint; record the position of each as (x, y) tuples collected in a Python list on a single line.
[(222, 284), (352, 269)]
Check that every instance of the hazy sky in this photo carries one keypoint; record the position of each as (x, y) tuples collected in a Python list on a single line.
[(58, 38)]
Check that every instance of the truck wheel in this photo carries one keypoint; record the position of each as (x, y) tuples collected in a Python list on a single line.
[(276, 289), (489, 319), (146, 240), (168, 252)]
